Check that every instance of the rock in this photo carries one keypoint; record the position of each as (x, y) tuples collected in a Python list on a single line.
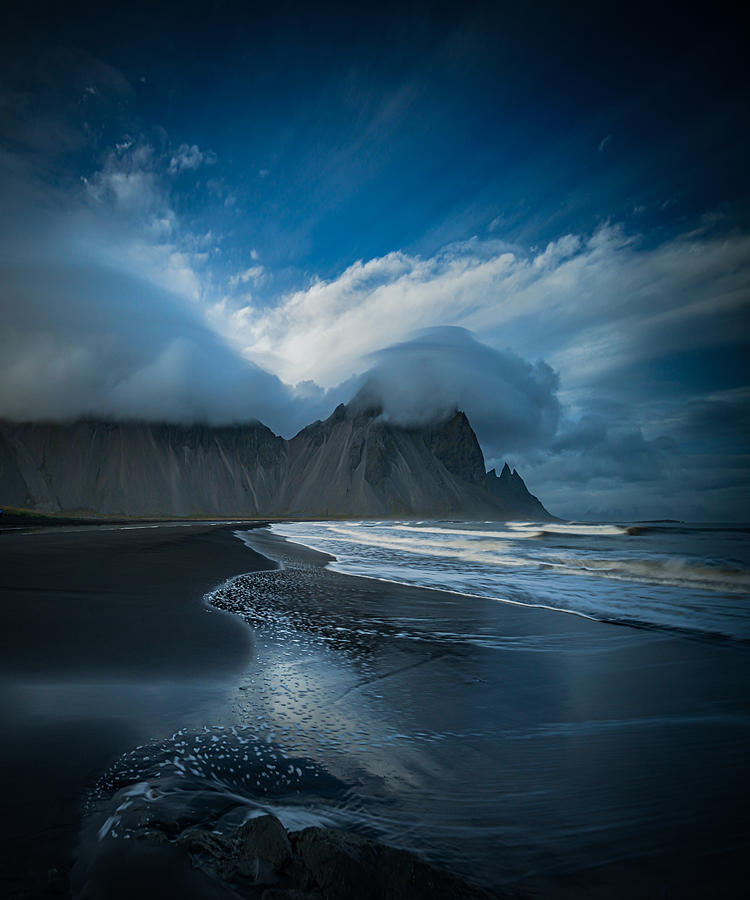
[(198, 840), (263, 862), (337, 861), (510, 489), (265, 838), (345, 865), (213, 853), (354, 464)]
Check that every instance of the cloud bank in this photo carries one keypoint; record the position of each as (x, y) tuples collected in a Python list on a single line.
[(97, 342), (510, 402), (111, 316)]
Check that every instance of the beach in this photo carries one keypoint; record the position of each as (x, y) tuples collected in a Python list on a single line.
[(105, 641), (532, 751)]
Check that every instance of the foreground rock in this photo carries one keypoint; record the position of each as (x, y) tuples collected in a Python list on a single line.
[(262, 860)]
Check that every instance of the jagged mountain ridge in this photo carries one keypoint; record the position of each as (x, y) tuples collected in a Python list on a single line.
[(357, 461), (353, 464), (511, 489)]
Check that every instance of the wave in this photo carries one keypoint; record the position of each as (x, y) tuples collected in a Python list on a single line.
[(584, 530), (490, 549), (673, 571), (519, 530), (696, 584)]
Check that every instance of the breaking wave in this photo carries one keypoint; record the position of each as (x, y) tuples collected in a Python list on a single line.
[(667, 575)]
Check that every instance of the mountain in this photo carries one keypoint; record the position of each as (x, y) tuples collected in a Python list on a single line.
[(141, 469), (354, 464), (510, 489)]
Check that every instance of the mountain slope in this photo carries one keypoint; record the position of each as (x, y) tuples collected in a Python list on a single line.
[(354, 464), (140, 469), (510, 489)]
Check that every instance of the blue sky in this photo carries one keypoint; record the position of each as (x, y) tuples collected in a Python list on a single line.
[(223, 211)]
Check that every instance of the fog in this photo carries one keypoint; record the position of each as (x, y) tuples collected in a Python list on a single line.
[(511, 402)]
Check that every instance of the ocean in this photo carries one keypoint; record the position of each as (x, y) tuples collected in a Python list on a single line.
[(694, 578)]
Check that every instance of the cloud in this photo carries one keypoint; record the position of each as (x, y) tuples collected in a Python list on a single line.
[(255, 274), (100, 291), (599, 448), (663, 480), (593, 306), (91, 341), (189, 158), (720, 416), (510, 402), (604, 143), (109, 323)]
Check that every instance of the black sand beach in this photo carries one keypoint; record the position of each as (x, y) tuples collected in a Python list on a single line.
[(104, 642), (532, 751)]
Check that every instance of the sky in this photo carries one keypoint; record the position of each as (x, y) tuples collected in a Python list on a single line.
[(221, 212)]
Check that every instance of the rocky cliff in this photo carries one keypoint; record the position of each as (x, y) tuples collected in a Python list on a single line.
[(353, 464), (510, 489)]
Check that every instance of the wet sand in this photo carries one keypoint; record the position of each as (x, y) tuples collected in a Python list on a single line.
[(105, 641), (530, 750)]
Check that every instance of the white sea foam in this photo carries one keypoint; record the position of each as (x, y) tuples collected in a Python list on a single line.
[(695, 579)]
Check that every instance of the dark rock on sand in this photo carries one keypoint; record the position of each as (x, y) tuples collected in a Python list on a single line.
[(343, 865), (261, 860)]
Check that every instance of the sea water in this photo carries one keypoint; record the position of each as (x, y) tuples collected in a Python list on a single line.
[(690, 577)]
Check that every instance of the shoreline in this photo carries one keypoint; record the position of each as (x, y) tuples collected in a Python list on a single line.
[(625, 708), (524, 750), (689, 632), (21, 520)]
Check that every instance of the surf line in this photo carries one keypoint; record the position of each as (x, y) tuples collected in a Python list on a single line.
[(331, 566)]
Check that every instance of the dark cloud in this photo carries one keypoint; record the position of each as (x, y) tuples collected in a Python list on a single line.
[(602, 449), (723, 417)]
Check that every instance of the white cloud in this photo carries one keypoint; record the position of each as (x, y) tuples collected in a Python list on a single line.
[(255, 274), (127, 180), (589, 305), (190, 157), (510, 402)]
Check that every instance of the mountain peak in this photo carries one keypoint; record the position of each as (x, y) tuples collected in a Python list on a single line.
[(511, 490)]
